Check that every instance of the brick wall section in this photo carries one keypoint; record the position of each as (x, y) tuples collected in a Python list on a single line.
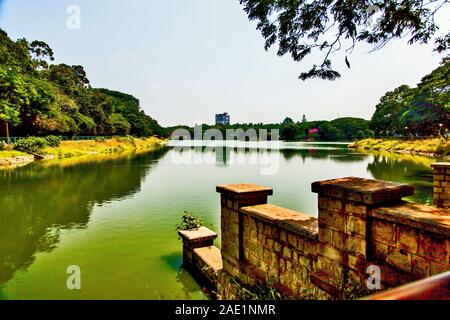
[(412, 238), (441, 188), (344, 236), (361, 222), (280, 245)]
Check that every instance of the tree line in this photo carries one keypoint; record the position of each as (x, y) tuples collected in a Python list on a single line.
[(39, 98), (342, 129)]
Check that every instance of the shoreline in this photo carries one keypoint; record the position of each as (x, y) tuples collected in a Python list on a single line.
[(433, 148), (82, 149)]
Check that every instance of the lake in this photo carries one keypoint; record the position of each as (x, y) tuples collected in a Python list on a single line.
[(114, 216)]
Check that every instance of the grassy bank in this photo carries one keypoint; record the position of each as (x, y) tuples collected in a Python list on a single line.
[(71, 149), (430, 147)]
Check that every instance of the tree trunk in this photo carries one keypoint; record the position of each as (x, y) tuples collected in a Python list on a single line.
[(7, 132)]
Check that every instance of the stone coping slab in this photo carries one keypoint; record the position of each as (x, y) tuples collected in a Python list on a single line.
[(198, 234), (212, 256), (441, 165), (290, 220), (362, 190), (244, 190), (422, 217)]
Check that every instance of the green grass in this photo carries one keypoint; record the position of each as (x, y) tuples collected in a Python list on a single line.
[(437, 146), (69, 149), (11, 154)]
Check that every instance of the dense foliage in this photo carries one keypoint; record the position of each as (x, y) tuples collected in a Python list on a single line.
[(301, 27), (40, 98), (31, 144), (423, 110)]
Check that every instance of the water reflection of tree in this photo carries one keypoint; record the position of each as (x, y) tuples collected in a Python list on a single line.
[(335, 154), (405, 170), (38, 201)]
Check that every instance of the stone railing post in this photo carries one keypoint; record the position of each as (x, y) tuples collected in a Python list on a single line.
[(441, 186), (233, 197), (344, 206), (192, 239)]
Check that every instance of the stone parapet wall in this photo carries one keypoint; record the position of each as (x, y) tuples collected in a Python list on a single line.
[(361, 223)]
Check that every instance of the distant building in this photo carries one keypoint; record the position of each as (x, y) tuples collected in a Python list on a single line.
[(223, 118), (304, 119)]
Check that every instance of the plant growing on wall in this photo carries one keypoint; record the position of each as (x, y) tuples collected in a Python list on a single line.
[(189, 222)]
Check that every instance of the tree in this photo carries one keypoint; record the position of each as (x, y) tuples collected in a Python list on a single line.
[(300, 27), (289, 132), (386, 119), (13, 94), (287, 121), (421, 110)]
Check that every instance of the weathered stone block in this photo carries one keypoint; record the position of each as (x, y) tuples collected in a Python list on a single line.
[(355, 209), (399, 259), (282, 265), (330, 252), (325, 235), (355, 245), (434, 247), (287, 254), (356, 225), (277, 246), (269, 244), (407, 239), (420, 267), (332, 220), (283, 236), (383, 231), (338, 240), (301, 244), (292, 240)]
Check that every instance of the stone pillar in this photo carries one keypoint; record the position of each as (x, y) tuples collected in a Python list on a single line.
[(233, 197), (441, 186), (192, 239), (344, 206)]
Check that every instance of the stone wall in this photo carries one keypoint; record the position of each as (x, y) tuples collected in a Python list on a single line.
[(361, 223)]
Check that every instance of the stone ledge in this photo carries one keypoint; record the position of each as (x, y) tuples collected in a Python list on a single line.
[(422, 217), (244, 190), (361, 190), (441, 165), (290, 220), (199, 234), (211, 256)]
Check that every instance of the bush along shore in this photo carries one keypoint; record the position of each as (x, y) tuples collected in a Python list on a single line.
[(29, 149), (433, 147)]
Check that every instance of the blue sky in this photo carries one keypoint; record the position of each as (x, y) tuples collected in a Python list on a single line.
[(189, 59)]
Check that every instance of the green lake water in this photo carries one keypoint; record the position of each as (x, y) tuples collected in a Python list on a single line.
[(115, 217)]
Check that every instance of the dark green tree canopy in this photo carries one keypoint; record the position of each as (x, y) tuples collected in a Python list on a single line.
[(37, 97), (421, 111), (300, 27)]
